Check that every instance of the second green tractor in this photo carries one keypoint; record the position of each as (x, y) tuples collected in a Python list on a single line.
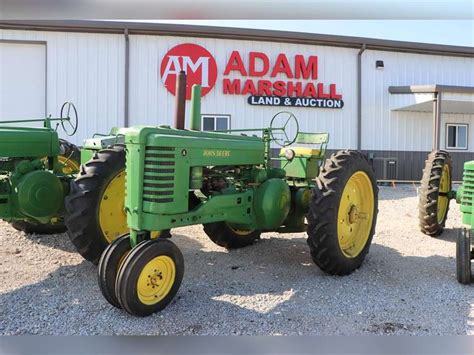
[(435, 193), (37, 169)]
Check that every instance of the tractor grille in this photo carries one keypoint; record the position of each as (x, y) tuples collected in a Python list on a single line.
[(468, 188), (159, 173)]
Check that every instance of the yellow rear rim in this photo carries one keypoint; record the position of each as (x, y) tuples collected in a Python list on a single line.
[(156, 234), (156, 280), (69, 166), (355, 214), (444, 187), (112, 217), (241, 232)]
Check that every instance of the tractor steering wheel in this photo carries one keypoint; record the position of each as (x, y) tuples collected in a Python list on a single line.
[(68, 123), (284, 123)]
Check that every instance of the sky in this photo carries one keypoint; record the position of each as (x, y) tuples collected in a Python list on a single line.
[(451, 32)]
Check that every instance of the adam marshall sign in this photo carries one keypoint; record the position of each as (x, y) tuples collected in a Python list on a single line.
[(298, 88)]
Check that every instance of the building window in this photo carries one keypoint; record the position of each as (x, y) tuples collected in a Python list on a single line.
[(456, 136), (215, 122)]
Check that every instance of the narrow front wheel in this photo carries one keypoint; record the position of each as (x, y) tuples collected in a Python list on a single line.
[(150, 277), (463, 256), (109, 264)]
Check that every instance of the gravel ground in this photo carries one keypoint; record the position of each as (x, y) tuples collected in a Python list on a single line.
[(407, 285)]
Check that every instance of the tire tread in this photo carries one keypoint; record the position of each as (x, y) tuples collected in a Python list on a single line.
[(323, 209), (429, 192)]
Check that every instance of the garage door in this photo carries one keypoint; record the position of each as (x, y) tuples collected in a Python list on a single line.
[(22, 80)]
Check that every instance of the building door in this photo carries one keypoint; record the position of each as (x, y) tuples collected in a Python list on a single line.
[(22, 80)]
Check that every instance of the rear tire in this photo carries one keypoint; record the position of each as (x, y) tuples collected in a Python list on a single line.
[(83, 203), (71, 155), (463, 256), (326, 227), (31, 228), (433, 206), (230, 238)]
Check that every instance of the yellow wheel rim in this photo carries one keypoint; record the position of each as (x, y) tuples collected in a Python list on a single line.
[(69, 166), (155, 234), (444, 188), (156, 279), (112, 216), (241, 232), (355, 214)]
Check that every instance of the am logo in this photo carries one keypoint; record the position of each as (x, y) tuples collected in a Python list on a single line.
[(198, 63)]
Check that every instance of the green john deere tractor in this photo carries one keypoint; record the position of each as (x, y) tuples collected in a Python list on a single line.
[(434, 195), (36, 170), (230, 183)]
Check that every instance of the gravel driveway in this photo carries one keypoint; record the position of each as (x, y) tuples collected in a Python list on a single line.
[(407, 285)]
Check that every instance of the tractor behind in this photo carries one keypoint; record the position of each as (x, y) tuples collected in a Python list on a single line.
[(36, 170), (436, 191)]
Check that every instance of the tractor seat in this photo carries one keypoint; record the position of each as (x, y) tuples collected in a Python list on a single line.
[(301, 151)]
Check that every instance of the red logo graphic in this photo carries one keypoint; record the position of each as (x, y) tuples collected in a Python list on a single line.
[(199, 65)]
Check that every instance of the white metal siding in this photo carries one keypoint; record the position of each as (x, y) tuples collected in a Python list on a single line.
[(22, 80), (151, 103), (87, 69), (384, 129)]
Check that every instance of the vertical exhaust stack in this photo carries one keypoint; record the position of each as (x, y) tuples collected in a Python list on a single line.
[(179, 116), (196, 108), (196, 181)]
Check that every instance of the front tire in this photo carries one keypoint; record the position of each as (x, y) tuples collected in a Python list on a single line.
[(463, 256), (109, 264), (342, 213), (150, 277), (435, 186)]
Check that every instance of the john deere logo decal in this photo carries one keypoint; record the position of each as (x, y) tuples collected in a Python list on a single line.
[(216, 153)]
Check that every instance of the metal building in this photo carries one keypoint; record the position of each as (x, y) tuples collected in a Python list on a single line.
[(393, 100)]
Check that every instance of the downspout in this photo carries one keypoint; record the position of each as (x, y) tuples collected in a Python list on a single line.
[(126, 119), (438, 112), (359, 96), (436, 120)]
